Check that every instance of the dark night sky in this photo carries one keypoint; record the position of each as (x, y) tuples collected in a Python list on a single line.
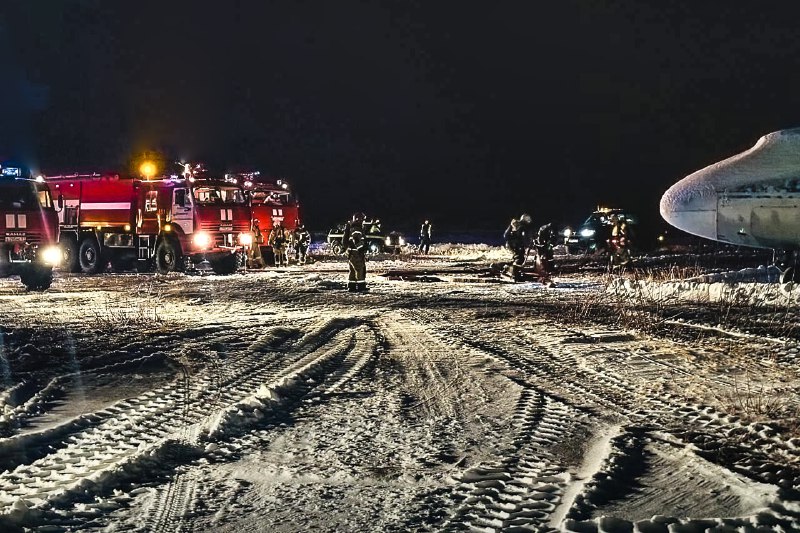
[(465, 112)]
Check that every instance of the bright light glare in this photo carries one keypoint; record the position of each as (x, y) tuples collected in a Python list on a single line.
[(567, 233), (202, 239), (587, 232), (388, 241), (245, 239), (147, 169), (51, 255)]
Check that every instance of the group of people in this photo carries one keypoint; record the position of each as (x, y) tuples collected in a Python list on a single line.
[(354, 243), (281, 240), (524, 245), (521, 240)]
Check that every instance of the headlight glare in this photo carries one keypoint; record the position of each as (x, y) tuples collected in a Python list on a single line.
[(202, 239), (51, 255)]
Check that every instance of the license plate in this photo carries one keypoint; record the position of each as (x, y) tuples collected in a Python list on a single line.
[(228, 227), (15, 237)]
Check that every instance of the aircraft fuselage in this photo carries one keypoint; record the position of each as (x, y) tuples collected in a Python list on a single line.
[(750, 199)]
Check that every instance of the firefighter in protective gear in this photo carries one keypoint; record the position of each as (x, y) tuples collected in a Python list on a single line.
[(619, 243), (302, 239), (517, 241), (425, 237), (255, 257), (278, 239), (545, 241), (355, 244)]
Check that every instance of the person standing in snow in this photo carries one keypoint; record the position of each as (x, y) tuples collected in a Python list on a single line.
[(425, 237), (619, 244), (302, 239), (545, 241), (256, 259), (278, 240), (355, 244), (517, 241)]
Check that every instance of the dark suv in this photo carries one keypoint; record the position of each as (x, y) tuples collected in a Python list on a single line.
[(592, 236), (377, 241)]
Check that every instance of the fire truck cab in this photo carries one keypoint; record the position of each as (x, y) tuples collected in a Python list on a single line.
[(271, 201), (28, 229), (166, 224)]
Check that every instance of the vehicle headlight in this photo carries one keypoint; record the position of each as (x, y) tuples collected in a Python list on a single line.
[(587, 232), (202, 239), (245, 239), (388, 241), (567, 233), (401, 241), (51, 255)]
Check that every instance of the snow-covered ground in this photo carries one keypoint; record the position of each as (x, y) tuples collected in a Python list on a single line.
[(448, 401)]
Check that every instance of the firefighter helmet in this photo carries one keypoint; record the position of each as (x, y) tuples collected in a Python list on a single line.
[(525, 218), (358, 217)]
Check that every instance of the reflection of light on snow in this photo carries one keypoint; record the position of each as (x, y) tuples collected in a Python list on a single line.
[(4, 366), (69, 347)]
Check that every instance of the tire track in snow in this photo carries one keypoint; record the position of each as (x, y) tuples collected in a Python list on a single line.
[(561, 371), (141, 426), (342, 361), (519, 489)]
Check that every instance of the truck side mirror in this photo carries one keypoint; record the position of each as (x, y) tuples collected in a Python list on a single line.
[(60, 201)]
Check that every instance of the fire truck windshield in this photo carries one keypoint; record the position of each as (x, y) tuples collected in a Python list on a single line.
[(271, 198), (218, 195), (22, 195)]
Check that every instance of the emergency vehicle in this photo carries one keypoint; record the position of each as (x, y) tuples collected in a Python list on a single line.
[(271, 201), (28, 229), (170, 224)]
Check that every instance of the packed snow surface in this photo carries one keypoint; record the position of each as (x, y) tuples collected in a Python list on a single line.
[(451, 400)]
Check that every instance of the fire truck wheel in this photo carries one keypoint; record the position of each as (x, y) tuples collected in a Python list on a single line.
[(225, 265), (71, 255), (168, 257), (89, 256), (336, 248), (37, 278)]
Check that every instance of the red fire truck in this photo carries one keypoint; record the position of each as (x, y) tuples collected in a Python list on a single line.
[(28, 229), (271, 201), (169, 224)]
